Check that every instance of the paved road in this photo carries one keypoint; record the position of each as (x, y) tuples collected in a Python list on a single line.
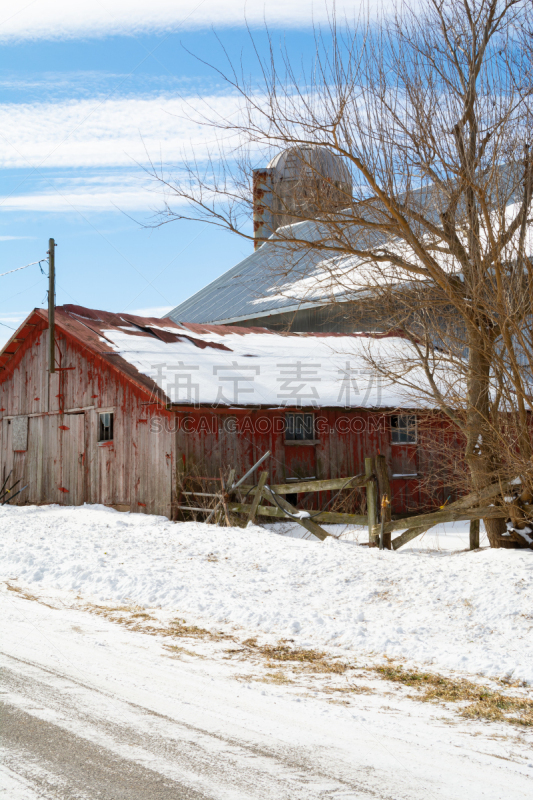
[(61, 765), (92, 711), (64, 739)]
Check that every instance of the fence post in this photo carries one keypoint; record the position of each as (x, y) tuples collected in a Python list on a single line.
[(384, 491), (371, 498), (258, 495), (474, 534)]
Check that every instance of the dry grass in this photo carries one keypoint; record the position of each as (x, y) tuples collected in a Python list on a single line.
[(279, 678), (476, 701), (136, 619), (352, 688), (26, 595), (178, 627), (314, 660), (480, 702), (132, 616), (179, 651)]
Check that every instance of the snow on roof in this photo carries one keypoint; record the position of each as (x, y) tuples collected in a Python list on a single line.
[(192, 364), (231, 366), (282, 276)]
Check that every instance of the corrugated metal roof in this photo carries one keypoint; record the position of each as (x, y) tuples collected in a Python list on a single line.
[(281, 277), (266, 282), (260, 284)]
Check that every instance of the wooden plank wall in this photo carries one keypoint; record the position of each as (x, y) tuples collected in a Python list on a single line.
[(205, 444), (64, 462), (139, 470)]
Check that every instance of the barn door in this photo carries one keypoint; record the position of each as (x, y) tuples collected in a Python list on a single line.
[(300, 462), (404, 462), (72, 440)]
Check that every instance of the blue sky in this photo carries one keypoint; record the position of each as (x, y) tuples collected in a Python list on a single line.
[(86, 90)]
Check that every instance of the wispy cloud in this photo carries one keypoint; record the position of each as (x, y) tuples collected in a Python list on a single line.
[(63, 19), (90, 191), (96, 200), (10, 238), (114, 132), (98, 84), (105, 141)]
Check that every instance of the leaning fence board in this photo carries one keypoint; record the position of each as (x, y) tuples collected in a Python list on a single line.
[(446, 515), (258, 495), (328, 517), (408, 535), (192, 508), (474, 515), (474, 498), (312, 486), (332, 517), (261, 511), (465, 503), (309, 524), (200, 494)]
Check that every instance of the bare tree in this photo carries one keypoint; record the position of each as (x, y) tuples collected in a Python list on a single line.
[(430, 112)]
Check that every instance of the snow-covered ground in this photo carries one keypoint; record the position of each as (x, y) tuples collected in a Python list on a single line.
[(93, 710), (433, 603), (101, 698)]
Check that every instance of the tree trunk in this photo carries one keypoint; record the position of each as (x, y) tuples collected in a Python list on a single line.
[(495, 528), (478, 454)]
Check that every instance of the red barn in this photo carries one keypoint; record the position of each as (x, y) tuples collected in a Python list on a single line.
[(134, 403)]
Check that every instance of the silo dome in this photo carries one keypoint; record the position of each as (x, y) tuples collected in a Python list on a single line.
[(310, 161), (303, 182)]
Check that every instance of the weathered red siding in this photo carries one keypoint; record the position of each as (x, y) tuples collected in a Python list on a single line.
[(139, 470)]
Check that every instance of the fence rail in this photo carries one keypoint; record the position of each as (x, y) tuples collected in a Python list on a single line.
[(270, 501)]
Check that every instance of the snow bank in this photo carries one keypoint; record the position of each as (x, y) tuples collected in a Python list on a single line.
[(451, 536), (455, 610)]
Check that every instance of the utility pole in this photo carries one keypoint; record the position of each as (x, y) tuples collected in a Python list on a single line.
[(51, 306)]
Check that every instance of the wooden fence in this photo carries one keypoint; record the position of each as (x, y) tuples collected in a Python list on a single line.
[(270, 501)]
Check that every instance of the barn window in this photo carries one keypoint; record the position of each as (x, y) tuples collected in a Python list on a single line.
[(403, 429), (19, 429), (299, 427), (105, 427)]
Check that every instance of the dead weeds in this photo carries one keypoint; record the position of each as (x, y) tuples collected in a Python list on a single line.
[(278, 678), (134, 618), (179, 651), (476, 701), (178, 627), (479, 702), (314, 660), (26, 595)]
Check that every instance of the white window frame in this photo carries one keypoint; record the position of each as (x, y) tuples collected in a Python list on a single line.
[(404, 429), (304, 414)]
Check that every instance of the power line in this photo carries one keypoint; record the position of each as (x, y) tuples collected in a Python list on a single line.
[(24, 267), (8, 326)]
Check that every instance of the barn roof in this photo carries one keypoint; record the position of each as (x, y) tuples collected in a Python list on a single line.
[(259, 285), (192, 364), (285, 277)]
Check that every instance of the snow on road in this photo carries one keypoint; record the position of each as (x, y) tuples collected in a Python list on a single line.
[(455, 610), (94, 710)]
